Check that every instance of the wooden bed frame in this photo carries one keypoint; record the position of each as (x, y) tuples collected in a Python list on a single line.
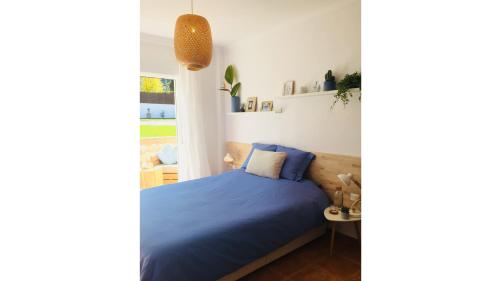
[(323, 171), (274, 255)]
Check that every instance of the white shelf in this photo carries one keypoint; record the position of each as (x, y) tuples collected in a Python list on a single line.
[(249, 112), (315, 94)]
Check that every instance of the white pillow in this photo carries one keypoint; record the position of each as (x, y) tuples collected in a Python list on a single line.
[(266, 163), (168, 154)]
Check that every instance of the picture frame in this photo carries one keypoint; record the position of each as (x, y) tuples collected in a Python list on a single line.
[(289, 88), (266, 106), (252, 104)]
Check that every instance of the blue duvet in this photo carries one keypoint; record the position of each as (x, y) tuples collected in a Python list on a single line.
[(204, 229)]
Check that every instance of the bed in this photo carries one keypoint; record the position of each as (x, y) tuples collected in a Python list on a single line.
[(209, 228)]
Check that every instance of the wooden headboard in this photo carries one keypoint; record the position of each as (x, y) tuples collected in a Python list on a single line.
[(323, 170)]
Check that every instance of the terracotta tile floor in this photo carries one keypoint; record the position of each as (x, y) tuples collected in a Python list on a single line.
[(313, 262)]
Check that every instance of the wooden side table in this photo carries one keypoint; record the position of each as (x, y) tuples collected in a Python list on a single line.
[(334, 219), (151, 178)]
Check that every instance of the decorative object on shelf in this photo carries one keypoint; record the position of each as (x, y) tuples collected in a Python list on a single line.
[(338, 197), (316, 86), (303, 90), (344, 212), (242, 107), (233, 90), (344, 87), (235, 104), (148, 114), (348, 179), (266, 106), (193, 41), (288, 88), (252, 104), (229, 160), (329, 84)]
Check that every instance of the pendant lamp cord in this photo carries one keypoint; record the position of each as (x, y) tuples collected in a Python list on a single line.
[(191, 6)]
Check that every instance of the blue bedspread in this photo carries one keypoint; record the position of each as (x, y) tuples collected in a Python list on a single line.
[(204, 229)]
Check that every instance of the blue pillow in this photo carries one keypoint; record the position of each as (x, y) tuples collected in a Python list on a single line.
[(259, 146), (168, 154), (296, 163)]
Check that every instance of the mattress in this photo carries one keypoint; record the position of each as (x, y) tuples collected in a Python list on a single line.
[(204, 229)]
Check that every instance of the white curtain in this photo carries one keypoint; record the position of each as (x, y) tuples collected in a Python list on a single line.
[(193, 150)]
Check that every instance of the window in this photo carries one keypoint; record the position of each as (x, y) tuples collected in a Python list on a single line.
[(157, 107), (158, 130)]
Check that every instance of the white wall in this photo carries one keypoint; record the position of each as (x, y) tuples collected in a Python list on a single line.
[(157, 55), (302, 50), (306, 122)]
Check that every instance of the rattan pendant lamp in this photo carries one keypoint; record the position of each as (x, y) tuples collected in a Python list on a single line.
[(193, 41)]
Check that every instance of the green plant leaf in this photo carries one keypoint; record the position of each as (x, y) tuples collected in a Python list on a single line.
[(235, 89), (344, 87), (229, 75)]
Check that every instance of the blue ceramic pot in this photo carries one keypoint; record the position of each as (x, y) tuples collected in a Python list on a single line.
[(329, 85), (235, 104)]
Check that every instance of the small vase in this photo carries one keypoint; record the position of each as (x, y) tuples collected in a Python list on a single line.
[(338, 198), (235, 104), (329, 85), (345, 215)]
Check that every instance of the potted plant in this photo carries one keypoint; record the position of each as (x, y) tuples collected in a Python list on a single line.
[(329, 84), (344, 87), (233, 90)]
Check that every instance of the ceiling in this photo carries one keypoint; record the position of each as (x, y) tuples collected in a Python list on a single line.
[(230, 20)]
